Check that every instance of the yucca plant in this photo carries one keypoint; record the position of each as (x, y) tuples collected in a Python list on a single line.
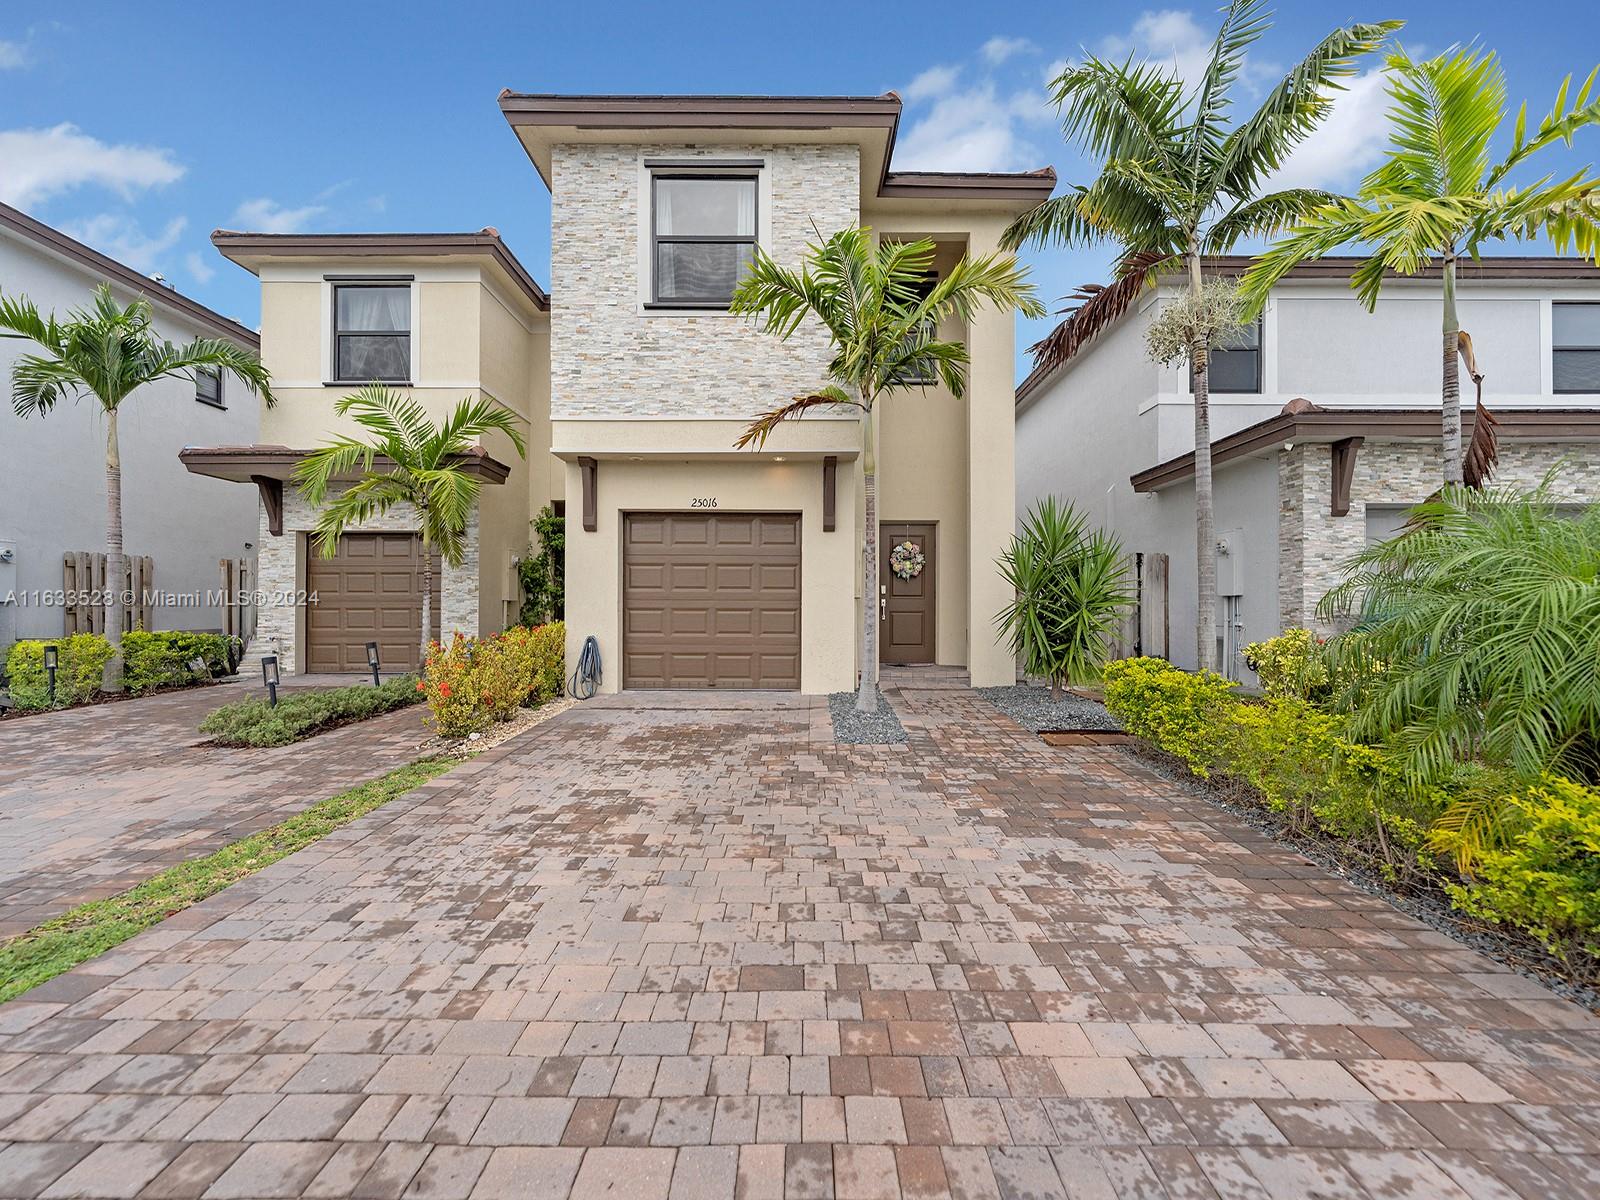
[(1438, 196), (1071, 588), (425, 469), (1477, 637)]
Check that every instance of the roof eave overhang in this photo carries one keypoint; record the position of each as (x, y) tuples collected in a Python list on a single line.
[(252, 250), (1388, 425), (248, 464)]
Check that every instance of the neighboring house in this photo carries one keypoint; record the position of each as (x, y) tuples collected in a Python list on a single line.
[(692, 563), (1300, 489), (52, 478), (441, 316)]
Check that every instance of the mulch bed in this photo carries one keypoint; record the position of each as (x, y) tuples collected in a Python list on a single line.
[(16, 714)]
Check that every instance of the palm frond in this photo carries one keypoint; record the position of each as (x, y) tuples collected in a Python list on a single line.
[(167, 359), (758, 431), (1263, 217), (1096, 306), (1128, 110)]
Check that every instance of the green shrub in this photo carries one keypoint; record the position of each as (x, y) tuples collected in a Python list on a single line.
[(1547, 880), (1290, 665), (80, 670), (1178, 711), (472, 682), (158, 660), (300, 714), (1070, 589), (542, 572)]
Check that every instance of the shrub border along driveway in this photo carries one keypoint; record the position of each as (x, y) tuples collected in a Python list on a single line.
[(81, 933)]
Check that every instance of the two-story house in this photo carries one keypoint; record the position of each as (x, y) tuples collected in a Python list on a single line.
[(1325, 429), (693, 564), (52, 477)]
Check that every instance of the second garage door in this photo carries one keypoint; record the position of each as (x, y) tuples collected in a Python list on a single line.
[(370, 591), (711, 600)]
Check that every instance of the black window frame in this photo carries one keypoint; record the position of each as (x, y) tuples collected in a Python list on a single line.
[(753, 239), (1256, 381), (931, 378), (204, 373), (393, 282), (1556, 350)]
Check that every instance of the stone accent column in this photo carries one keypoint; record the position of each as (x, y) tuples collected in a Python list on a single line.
[(458, 590)]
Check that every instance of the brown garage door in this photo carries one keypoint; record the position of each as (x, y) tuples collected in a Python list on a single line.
[(711, 600), (371, 591)]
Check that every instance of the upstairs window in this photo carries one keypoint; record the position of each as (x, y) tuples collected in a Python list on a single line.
[(208, 386), (926, 376), (372, 332), (702, 235), (1235, 362), (1576, 350)]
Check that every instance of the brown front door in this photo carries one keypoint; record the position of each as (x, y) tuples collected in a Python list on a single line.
[(370, 591), (905, 634), (711, 600)]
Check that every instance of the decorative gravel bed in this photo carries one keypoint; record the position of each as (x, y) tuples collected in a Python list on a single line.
[(881, 728), (1032, 708)]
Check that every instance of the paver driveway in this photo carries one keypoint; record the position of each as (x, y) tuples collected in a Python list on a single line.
[(93, 800), (699, 950)]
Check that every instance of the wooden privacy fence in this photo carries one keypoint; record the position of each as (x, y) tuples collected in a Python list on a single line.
[(238, 606), (1146, 625), (83, 584)]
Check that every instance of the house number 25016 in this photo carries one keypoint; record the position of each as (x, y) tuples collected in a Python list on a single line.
[(703, 502)]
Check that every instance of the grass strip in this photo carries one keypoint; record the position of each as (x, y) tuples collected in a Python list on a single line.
[(79, 934)]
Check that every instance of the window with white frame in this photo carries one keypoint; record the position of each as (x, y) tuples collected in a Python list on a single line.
[(702, 236), (1575, 347), (372, 332), (1234, 362)]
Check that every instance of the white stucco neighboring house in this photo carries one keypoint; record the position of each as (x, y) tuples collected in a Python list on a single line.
[(52, 467), (1325, 429)]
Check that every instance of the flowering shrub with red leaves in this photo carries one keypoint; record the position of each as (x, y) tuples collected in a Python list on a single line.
[(472, 682)]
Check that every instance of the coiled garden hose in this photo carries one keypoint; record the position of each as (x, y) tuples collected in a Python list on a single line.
[(586, 678)]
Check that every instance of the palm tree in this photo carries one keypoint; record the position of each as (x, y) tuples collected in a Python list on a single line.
[(1176, 183), (108, 352), (424, 468), (882, 318), (1438, 196)]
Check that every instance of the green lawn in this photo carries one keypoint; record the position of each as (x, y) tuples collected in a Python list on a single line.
[(90, 929)]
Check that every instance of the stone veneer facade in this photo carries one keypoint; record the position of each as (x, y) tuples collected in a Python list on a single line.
[(1313, 545), (609, 358), (276, 623)]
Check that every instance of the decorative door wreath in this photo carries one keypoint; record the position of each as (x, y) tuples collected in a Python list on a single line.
[(907, 560)]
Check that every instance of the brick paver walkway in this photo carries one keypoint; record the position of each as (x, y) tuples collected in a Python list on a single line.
[(95, 799), (700, 951)]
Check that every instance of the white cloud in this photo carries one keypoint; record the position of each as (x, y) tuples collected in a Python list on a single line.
[(12, 55), (199, 269), (124, 240), (40, 163), (935, 81), (1347, 145), (970, 130), (997, 49), (1172, 38), (265, 215)]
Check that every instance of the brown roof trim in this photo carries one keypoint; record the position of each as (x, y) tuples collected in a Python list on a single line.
[(777, 112), (1379, 424), (115, 272), (700, 112), (1030, 187), (242, 463), (235, 245), (1490, 266)]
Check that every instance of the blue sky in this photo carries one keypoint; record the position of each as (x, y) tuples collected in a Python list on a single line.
[(140, 128)]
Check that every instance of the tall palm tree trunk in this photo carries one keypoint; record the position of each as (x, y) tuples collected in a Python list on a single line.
[(427, 604), (1450, 420), (1205, 538), (867, 693), (116, 562)]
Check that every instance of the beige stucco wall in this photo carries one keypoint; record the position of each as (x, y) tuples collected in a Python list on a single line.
[(594, 560)]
